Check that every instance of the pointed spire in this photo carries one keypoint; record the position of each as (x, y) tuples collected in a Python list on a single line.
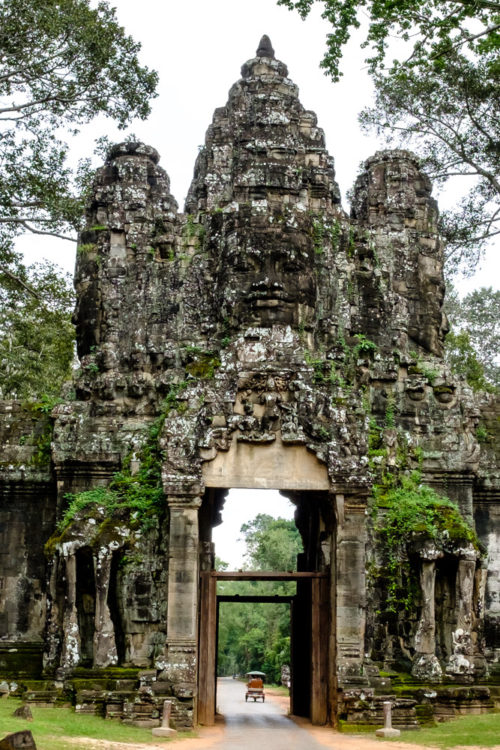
[(265, 48)]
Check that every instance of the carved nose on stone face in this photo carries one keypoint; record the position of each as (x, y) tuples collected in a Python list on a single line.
[(261, 285)]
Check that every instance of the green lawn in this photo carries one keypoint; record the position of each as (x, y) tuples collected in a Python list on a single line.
[(49, 724), (278, 689), (481, 730)]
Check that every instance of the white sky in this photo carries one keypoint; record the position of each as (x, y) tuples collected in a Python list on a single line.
[(241, 506), (198, 48)]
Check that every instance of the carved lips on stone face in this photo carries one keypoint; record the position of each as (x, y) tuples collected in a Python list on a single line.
[(269, 280)]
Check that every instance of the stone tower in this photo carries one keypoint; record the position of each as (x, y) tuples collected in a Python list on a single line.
[(261, 339)]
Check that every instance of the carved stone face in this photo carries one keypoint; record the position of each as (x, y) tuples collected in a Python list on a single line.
[(429, 325), (269, 280)]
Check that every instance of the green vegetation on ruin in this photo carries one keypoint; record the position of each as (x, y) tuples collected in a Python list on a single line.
[(194, 230), (419, 367), (41, 435), (138, 493), (86, 247), (136, 490), (325, 233), (201, 364), (325, 370), (407, 515)]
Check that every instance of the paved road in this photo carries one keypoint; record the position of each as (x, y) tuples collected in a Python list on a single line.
[(259, 726)]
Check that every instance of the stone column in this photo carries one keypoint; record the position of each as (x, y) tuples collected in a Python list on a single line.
[(179, 666), (426, 665), (105, 653), (71, 645), (351, 589), (461, 661)]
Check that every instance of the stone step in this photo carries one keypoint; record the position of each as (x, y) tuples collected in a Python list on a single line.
[(42, 696)]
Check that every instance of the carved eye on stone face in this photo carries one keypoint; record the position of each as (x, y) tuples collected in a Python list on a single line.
[(241, 265), (238, 264)]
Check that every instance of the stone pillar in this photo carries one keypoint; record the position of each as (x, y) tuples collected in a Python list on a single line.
[(351, 589), (71, 645), (179, 666), (165, 730), (461, 661), (105, 653), (387, 730), (426, 665)]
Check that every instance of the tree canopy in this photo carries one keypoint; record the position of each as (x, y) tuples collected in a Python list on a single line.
[(36, 334), (473, 344), (430, 29), (62, 63), (272, 543), (435, 66)]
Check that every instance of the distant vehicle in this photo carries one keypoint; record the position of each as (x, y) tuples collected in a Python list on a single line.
[(255, 686)]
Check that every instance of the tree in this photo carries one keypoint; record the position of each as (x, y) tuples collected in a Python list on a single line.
[(473, 343), (36, 335), (451, 117), (257, 636), (272, 543), (62, 63), (430, 29), (440, 96)]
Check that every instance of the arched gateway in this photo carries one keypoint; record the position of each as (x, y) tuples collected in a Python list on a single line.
[(262, 339)]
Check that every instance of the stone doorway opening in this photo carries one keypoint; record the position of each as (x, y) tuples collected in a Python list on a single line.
[(311, 606)]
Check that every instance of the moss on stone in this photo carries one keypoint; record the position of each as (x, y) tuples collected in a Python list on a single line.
[(203, 365), (409, 515)]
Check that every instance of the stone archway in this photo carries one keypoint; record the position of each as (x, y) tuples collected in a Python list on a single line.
[(337, 551)]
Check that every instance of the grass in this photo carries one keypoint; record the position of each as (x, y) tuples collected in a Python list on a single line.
[(50, 725), (278, 689), (482, 731)]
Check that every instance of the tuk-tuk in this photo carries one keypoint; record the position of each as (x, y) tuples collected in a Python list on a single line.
[(255, 686)]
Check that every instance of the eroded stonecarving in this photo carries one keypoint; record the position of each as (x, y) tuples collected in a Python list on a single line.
[(263, 338)]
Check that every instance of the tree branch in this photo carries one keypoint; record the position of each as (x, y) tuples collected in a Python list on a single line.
[(487, 4), (19, 281), (465, 40), (49, 234)]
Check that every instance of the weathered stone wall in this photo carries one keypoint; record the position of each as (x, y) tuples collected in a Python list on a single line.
[(27, 517), (487, 521)]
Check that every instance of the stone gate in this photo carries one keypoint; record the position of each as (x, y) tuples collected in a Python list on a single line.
[(263, 338)]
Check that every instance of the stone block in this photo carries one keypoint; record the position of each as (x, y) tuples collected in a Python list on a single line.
[(18, 741), (163, 732), (387, 733)]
